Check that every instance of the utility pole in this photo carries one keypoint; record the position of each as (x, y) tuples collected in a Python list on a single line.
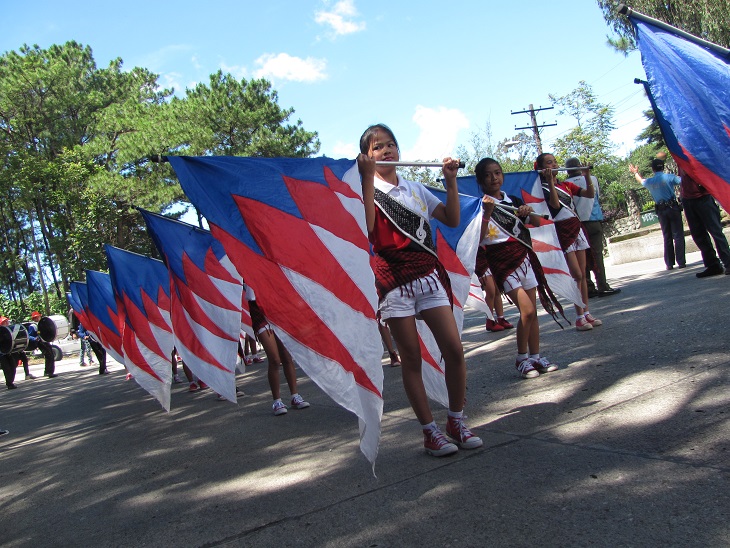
[(534, 127)]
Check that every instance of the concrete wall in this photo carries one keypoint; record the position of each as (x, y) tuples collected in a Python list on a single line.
[(648, 245)]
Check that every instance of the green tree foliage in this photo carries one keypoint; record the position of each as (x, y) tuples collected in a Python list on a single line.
[(707, 19), (75, 145), (652, 134)]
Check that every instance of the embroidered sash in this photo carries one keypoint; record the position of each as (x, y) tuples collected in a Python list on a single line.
[(408, 222)]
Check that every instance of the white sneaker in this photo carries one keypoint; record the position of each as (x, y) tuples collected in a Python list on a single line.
[(297, 402), (29, 377), (279, 408), (526, 369)]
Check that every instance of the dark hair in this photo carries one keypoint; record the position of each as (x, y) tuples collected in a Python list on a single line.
[(539, 162), (371, 132), (480, 170), (657, 165)]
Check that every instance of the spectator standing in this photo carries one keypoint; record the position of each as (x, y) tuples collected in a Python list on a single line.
[(703, 219), (661, 186)]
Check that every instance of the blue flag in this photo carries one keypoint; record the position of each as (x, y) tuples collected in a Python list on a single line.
[(689, 88), (142, 285)]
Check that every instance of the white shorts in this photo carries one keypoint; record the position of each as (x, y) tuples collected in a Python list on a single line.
[(523, 276), (410, 299), (579, 243)]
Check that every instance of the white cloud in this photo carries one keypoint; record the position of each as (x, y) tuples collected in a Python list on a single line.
[(341, 18), (344, 150), (439, 128), (283, 66)]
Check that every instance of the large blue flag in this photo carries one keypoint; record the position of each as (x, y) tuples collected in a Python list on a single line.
[(104, 313), (142, 285), (295, 230), (690, 92), (206, 295)]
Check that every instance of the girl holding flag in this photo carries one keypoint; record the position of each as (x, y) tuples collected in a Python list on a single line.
[(559, 197), (507, 246), (411, 282)]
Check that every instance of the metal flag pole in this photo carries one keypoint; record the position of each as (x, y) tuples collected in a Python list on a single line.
[(625, 10), (576, 168), (413, 164), (513, 209)]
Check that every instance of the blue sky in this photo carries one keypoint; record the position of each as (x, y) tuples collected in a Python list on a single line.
[(435, 72)]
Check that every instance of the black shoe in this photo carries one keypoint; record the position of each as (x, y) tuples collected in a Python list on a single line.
[(52, 376), (714, 270), (11, 387), (608, 292), (593, 292), (105, 372), (681, 265)]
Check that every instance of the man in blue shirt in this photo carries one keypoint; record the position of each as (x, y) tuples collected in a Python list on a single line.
[(661, 186)]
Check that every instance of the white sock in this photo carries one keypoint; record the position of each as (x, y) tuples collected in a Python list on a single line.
[(535, 356), (430, 426), (456, 414), (521, 357)]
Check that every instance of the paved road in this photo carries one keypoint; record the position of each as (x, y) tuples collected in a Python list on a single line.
[(626, 445)]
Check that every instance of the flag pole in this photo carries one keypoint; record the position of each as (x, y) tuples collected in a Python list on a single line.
[(625, 10), (513, 209), (576, 168), (157, 158), (413, 164)]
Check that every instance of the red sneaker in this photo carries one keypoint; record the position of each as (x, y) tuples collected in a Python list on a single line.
[(504, 323), (202, 385), (493, 326), (457, 431), (394, 359), (436, 443), (193, 387)]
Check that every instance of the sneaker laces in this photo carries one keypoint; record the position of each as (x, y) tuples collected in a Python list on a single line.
[(437, 437), (525, 365), (461, 429)]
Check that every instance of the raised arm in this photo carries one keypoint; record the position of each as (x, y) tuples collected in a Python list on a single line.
[(366, 166), (449, 214)]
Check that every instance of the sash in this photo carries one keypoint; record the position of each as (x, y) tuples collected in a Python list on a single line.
[(408, 222), (394, 269), (512, 225), (565, 198)]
